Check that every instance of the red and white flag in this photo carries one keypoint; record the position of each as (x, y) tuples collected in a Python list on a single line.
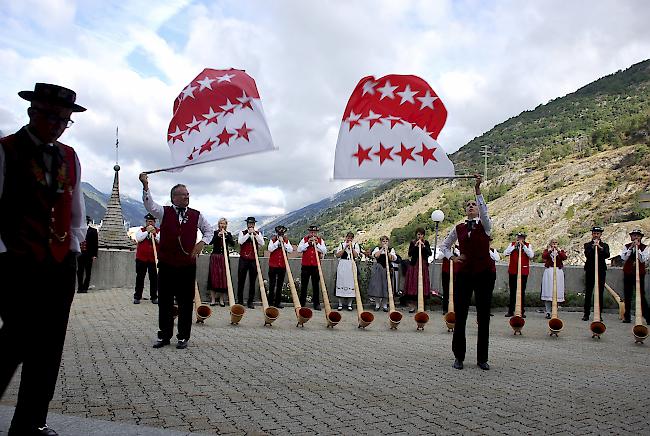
[(218, 115), (389, 131)]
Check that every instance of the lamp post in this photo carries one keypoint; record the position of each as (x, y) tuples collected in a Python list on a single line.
[(437, 216)]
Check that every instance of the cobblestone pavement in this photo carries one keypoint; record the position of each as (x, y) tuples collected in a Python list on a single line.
[(250, 379)]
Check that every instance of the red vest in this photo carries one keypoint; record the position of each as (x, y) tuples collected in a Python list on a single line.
[(36, 217), (309, 255), (144, 252), (276, 259), (178, 240), (246, 249), (548, 261), (628, 266), (514, 260), (475, 247)]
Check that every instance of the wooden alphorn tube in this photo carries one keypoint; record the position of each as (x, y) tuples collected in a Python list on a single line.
[(618, 299), (203, 311), (303, 314), (236, 310), (365, 317), (421, 317), (450, 316), (517, 321), (640, 331), (597, 327), (394, 316), (331, 317), (270, 313), (555, 324)]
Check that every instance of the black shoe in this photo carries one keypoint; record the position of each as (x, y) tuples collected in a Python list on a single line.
[(316, 306), (182, 344), (136, 301), (340, 307), (523, 315), (32, 431), (585, 318), (213, 304), (376, 308), (279, 306), (627, 321), (509, 315), (385, 309), (491, 314), (161, 343), (411, 310), (350, 308), (548, 316), (81, 291), (484, 366), (250, 306), (154, 301), (222, 304), (458, 364)]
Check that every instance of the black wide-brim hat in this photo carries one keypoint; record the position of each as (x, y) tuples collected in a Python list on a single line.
[(251, 219), (597, 229), (150, 217), (637, 232), (521, 234), (312, 228), (280, 229), (53, 94)]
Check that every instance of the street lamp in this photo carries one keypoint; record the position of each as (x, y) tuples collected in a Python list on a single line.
[(437, 216)]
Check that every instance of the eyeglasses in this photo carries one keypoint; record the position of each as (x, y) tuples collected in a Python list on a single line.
[(54, 119)]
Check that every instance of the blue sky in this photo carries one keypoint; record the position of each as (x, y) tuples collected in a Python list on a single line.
[(127, 61)]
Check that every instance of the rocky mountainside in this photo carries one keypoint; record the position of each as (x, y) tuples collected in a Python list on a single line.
[(577, 161)]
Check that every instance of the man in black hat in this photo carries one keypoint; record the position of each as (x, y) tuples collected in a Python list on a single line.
[(247, 261), (513, 266), (277, 266), (145, 259), (41, 228), (311, 246), (89, 250), (630, 252), (590, 268)]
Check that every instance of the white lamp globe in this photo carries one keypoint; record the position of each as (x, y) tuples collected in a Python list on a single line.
[(437, 216)]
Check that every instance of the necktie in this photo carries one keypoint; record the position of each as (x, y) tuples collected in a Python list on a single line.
[(470, 225), (181, 212)]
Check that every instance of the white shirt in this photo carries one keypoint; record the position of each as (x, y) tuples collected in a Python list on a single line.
[(275, 245), (494, 255), (303, 246), (158, 211), (391, 254), (484, 217), (643, 255), (526, 249), (141, 235), (243, 237)]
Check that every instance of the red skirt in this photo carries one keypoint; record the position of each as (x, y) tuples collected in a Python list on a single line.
[(217, 272), (411, 283)]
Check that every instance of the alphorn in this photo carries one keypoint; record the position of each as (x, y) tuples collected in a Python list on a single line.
[(518, 321), (270, 313), (303, 314), (421, 317), (203, 311), (236, 310), (450, 316), (640, 331), (155, 259), (331, 317), (365, 318), (597, 327), (618, 299), (555, 324), (394, 316)]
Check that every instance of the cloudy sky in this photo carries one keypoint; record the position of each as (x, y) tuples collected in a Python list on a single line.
[(487, 60)]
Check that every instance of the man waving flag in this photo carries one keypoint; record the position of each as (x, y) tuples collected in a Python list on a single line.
[(389, 131)]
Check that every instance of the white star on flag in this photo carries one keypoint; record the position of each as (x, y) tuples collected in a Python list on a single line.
[(369, 88), (397, 140), (240, 129)]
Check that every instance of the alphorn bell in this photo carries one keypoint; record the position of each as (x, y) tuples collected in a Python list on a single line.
[(518, 321), (270, 313), (450, 316), (365, 317), (618, 299), (331, 317), (236, 310), (394, 316), (155, 259), (203, 311), (640, 331), (597, 327), (303, 314), (555, 324), (421, 317)]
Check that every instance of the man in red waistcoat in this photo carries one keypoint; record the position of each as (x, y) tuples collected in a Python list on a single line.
[(145, 260), (176, 260), (277, 267), (308, 247), (473, 269), (247, 264), (41, 227), (629, 255), (513, 251)]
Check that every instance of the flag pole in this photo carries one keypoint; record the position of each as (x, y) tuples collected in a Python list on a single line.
[(189, 164)]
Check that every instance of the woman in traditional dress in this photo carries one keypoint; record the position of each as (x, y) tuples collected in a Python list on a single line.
[(552, 252), (347, 251), (378, 286), (411, 285), (217, 272)]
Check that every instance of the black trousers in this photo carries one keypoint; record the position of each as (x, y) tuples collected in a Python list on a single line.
[(84, 269), (629, 289), (276, 279), (512, 282), (444, 276), (175, 281), (307, 272), (589, 289), (141, 270), (481, 285), (36, 340), (246, 266)]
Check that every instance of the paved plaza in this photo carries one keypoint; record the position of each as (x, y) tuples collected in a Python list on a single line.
[(255, 380)]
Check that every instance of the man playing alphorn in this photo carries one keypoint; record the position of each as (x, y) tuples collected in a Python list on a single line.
[(277, 267), (247, 264), (473, 268), (145, 261), (308, 246), (513, 252), (603, 253), (629, 272)]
